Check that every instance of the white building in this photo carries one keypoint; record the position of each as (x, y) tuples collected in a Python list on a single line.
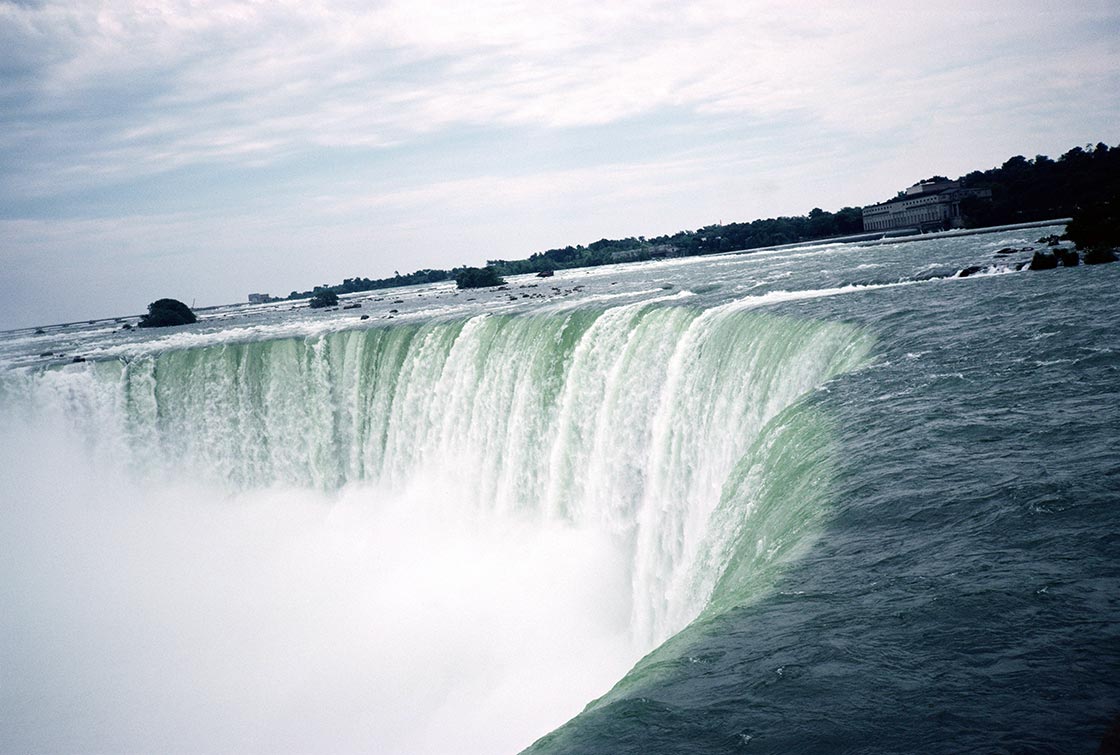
[(928, 205)]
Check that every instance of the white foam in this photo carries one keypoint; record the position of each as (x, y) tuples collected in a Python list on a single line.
[(176, 618)]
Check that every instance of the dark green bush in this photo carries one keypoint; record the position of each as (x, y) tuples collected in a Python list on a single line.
[(164, 313), (324, 298), (1096, 226), (478, 277)]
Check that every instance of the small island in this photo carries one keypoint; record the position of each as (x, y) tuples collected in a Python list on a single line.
[(323, 298), (166, 313), (478, 277)]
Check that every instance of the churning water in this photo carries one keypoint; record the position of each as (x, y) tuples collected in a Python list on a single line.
[(822, 500)]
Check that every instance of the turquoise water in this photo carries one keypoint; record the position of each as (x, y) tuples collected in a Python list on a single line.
[(833, 499)]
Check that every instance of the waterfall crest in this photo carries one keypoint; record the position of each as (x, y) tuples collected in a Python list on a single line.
[(644, 421)]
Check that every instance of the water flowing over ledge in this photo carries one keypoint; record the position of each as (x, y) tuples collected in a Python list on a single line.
[(647, 426), (629, 419)]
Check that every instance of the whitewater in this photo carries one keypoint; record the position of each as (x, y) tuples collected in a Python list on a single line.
[(797, 501)]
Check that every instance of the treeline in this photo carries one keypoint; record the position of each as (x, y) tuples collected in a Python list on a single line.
[(1041, 188), (712, 239), (1023, 190), (354, 285)]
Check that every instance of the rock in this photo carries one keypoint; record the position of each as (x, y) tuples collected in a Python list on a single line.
[(364, 317), (930, 275), (392, 311), (398, 301), (355, 305), (1100, 256), (126, 326), (1067, 257), (1006, 250), (972, 270), (1043, 261), (545, 274), (78, 359), (40, 332)]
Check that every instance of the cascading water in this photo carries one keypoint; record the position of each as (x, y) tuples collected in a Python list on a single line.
[(650, 427)]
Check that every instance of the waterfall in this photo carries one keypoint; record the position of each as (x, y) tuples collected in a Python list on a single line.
[(629, 419), (655, 448)]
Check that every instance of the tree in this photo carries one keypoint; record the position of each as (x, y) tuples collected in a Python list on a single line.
[(1096, 226), (478, 277), (323, 298), (164, 313)]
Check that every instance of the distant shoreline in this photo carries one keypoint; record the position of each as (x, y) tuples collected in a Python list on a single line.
[(878, 238), (898, 236)]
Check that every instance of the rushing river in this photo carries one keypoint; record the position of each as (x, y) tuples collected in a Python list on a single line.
[(827, 499)]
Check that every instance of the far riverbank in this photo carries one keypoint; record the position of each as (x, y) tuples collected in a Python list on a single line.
[(902, 236)]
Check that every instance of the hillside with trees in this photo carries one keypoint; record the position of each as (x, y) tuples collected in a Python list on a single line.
[(1024, 189)]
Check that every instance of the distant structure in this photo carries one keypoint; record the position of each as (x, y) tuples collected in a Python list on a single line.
[(653, 251), (260, 298), (927, 205)]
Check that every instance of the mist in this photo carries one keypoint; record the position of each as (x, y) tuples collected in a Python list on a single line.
[(165, 615)]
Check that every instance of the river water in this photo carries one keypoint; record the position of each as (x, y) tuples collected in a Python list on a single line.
[(828, 499)]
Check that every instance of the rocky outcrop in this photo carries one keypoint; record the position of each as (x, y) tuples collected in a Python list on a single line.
[(1043, 261), (1067, 257), (1100, 256)]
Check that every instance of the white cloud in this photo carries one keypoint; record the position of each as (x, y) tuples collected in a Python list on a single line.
[(505, 126), (164, 84)]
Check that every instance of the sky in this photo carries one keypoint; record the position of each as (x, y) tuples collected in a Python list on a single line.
[(205, 149)]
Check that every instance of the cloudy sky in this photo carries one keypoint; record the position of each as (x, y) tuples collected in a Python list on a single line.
[(203, 149)]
